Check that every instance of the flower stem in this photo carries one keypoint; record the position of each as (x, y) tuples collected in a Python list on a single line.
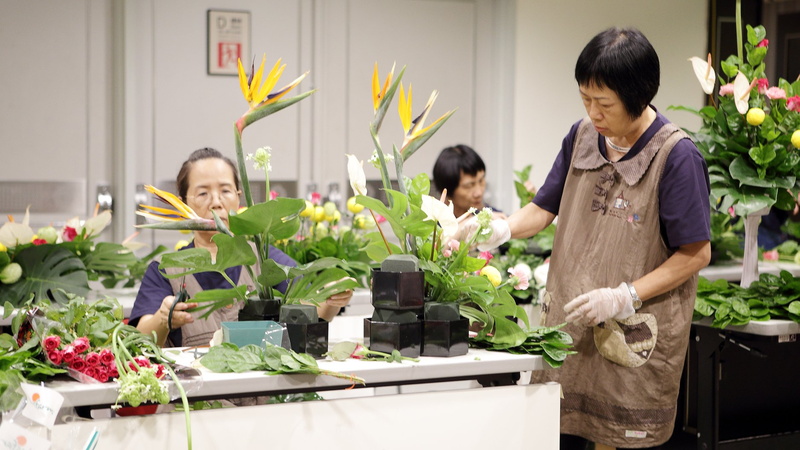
[(354, 379), (739, 30), (185, 403), (385, 242)]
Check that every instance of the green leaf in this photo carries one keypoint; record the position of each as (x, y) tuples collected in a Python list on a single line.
[(341, 351), (47, 270), (278, 218), (762, 155), (794, 307)]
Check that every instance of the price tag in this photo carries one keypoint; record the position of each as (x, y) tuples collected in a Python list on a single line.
[(42, 404), (15, 437), (787, 338)]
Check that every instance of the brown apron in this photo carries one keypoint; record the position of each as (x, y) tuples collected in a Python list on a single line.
[(199, 332), (621, 388)]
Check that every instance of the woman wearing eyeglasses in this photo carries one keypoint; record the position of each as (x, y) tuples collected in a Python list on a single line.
[(207, 181)]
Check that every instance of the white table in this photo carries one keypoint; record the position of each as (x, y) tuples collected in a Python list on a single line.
[(219, 385), (733, 272)]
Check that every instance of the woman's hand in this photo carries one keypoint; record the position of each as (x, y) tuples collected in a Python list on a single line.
[(179, 315), (331, 307), (599, 305), (341, 299)]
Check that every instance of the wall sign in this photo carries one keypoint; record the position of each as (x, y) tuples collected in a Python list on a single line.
[(228, 40)]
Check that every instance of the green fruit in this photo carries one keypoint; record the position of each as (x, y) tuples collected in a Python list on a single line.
[(11, 273)]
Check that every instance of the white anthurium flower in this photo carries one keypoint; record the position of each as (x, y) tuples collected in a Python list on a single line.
[(741, 93), (14, 233), (95, 225), (704, 73), (441, 213), (358, 180)]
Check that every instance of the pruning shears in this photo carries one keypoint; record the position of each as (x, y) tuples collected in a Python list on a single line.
[(181, 297)]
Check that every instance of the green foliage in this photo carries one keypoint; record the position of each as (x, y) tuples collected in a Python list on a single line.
[(726, 235), (274, 360), (49, 272), (553, 344), (771, 297), (751, 167)]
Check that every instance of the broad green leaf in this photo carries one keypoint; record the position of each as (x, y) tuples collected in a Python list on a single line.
[(48, 272)]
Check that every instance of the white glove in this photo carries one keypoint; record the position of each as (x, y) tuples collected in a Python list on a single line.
[(599, 305), (501, 233)]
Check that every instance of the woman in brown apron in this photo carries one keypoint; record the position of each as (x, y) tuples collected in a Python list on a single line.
[(207, 181), (631, 194)]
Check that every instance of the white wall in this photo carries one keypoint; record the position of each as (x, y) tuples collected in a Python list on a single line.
[(505, 64), (550, 36)]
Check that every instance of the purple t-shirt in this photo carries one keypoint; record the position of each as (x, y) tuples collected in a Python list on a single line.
[(155, 287), (683, 195)]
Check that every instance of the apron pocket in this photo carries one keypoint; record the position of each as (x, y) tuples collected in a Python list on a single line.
[(629, 342)]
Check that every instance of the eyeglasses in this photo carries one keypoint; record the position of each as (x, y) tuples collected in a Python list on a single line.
[(226, 195)]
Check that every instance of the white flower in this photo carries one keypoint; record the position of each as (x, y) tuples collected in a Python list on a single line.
[(741, 93), (442, 214), (261, 158), (358, 180), (519, 277), (93, 226), (705, 73), (376, 162)]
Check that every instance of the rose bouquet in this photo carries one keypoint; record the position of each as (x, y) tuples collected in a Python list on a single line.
[(246, 239)]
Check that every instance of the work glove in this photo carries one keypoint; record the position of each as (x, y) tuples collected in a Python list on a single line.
[(490, 238), (599, 305)]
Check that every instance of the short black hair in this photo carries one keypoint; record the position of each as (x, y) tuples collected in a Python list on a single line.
[(452, 161), (182, 181), (623, 60)]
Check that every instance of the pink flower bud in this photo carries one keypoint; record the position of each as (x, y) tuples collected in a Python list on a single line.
[(52, 342), (68, 234), (771, 255), (763, 85), (763, 43), (793, 103), (81, 344), (776, 93), (726, 89)]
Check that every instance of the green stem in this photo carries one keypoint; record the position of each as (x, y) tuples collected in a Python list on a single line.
[(385, 242), (387, 184), (185, 403), (248, 197), (433, 247), (739, 30)]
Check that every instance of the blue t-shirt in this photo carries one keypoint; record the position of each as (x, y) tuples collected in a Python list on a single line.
[(155, 286), (683, 196)]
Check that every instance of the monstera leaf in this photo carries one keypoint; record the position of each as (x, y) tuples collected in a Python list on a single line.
[(46, 271)]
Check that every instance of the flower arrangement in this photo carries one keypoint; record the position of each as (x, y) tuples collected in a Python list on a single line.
[(91, 343), (425, 226), (260, 223), (49, 263), (750, 139), (325, 232)]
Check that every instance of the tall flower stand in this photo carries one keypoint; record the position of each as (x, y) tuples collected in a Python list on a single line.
[(398, 291), (750, 261)]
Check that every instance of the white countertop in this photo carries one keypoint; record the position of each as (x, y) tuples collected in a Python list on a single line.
[(430, 369), (733, 272), (761, 328)]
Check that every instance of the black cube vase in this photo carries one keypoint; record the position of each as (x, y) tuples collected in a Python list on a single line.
[(260, 309), (389, 336), (398, 290), (445, 337), (311, 338)]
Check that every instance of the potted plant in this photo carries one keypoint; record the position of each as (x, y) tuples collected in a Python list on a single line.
[(424, 226), (246, 240)]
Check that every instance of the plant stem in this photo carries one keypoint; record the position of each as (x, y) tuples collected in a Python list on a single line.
[(385, 242), (248, 197), (185, 402), (433, 247), (354, 379), (739, 30)]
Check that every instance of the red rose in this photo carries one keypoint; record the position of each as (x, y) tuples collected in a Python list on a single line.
[(68, 235), (358, 353), (93, 359), (106, 357), (159, 371), (142, 361), (112, 372), (78, 364), (81, 344), (90, 371), (56, 357), (51, 342), (102, 377), (39, 242), (69, 354)]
